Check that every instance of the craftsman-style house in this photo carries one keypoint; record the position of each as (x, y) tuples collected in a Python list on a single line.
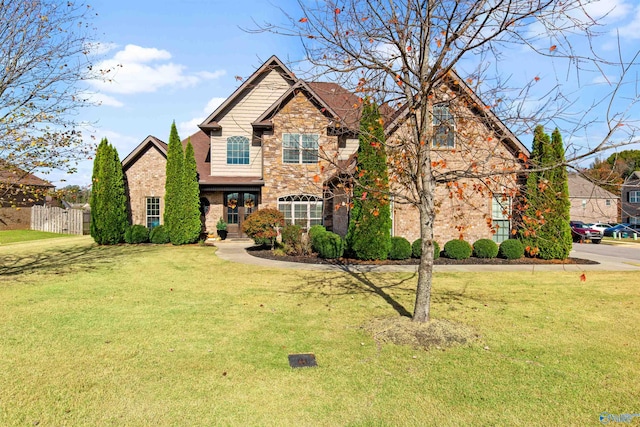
[(276, 142)]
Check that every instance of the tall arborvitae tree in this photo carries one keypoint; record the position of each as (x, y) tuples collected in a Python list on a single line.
[(189, 225), (559, 221), (547, 233), (109, 202), (175, 159), (369, 234), (97, 196)]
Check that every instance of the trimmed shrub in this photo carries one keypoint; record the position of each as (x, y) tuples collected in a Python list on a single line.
[(330, 245), (511, 249), (159, 235), (485, 248), (292, 239), (136, 234), (416, 249), (314, 229), (400, 248), (457, 249), (262, 226)]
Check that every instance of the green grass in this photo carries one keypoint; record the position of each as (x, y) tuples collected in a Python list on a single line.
[(163, 335), (15, 236)]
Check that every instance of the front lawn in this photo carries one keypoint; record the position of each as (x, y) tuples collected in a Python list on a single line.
[(13, 236), (163, 335)]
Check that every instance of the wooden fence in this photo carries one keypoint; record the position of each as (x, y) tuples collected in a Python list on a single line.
[(57, 220)]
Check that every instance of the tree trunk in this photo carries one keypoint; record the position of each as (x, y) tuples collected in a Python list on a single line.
[(422, 306)]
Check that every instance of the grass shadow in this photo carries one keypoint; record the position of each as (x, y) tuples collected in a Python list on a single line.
[(66, 260), (359, 280)]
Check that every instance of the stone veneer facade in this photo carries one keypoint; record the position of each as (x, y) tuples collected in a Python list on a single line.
[(146, 178), (283, 179)]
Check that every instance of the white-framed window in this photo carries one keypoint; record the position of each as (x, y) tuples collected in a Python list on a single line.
[(153, 212), (237, 150), (443, 127), (300, 147), (634, 196), (634, 220), (607, 202), (501, 217), (301, 209)]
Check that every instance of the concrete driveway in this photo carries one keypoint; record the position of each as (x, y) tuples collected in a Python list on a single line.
[(609, 259)]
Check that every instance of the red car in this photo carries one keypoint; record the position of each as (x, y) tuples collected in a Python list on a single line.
[(581, 232)]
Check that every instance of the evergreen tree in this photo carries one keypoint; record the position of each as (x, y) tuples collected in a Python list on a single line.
[(547, 233), (189, 226), (175, 159), (109, 202), (369, 233), (97, 197)]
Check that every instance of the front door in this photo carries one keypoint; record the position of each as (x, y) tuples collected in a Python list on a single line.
[(238, 206)]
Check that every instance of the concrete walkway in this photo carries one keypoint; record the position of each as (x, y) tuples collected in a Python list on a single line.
[(234, 250)]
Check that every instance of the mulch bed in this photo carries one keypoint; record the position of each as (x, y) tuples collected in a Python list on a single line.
[(261, 252)]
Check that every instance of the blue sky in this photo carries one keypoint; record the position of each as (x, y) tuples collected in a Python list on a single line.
[(180, 59)]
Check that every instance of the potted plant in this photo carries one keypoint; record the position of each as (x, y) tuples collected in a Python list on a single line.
[(221, 226)]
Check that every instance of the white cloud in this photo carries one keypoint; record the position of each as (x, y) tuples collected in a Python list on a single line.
[(103, 99), (138, 54), (632, 28), (190, 127), (137, 69)]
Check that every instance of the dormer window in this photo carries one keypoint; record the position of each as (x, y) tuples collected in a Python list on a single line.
[(443, 127), (237, 150)]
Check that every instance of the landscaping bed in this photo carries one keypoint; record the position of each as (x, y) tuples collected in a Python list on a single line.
[(262, 252)]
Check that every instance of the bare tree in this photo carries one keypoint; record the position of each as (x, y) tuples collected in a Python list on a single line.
[(45, 49), (408, 54)]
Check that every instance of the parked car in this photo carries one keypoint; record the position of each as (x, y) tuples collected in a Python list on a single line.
[(581, 232), (601, 226), (623, 230)]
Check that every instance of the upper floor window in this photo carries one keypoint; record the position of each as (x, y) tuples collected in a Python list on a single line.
[(300, 148), (634, 196), (443, 126), (237, 150)]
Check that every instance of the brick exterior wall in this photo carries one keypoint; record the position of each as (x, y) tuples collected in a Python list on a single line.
[(463, 210), (146, 178)]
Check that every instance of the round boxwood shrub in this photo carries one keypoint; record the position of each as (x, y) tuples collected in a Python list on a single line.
[(329, 245), (314, 232), (136, 234), (159, 235), (416, 249), (457, 249), (485, 248), (511, 249), (400, 248)]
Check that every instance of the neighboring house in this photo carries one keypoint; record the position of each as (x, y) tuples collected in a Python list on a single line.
[(19, 190), (277, 141), (591, 203), (630, 205)]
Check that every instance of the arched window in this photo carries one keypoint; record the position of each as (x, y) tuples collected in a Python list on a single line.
[(237, 150), (443, 127), (301, 209)]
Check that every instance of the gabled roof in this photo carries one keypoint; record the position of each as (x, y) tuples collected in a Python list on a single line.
[(149, 141), (492, 119), (273, 63), (580, 187), (633, 179), (13, 175)]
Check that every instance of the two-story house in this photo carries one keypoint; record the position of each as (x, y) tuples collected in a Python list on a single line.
[(277, 141), (630, 205)]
